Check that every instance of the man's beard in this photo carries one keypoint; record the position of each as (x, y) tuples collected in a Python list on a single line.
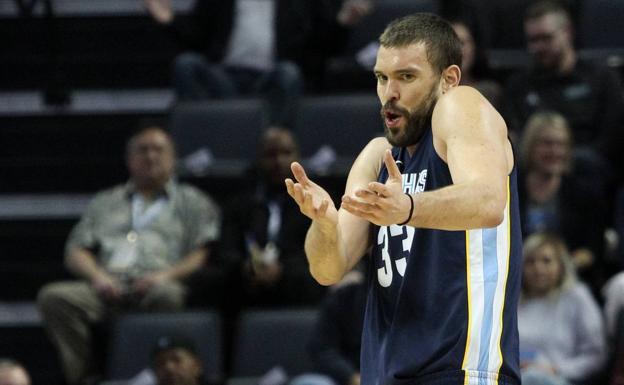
[(416, 122), (548, 62)]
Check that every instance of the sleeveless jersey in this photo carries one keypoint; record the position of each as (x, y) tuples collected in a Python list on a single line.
[(442, 304)]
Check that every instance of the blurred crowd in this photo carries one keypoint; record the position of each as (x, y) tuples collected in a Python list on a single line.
[(140, 246)]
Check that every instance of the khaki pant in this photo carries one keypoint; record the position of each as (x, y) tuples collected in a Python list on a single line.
[(69, 308)]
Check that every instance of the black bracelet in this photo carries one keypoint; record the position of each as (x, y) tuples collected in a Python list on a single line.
[(409, 218)]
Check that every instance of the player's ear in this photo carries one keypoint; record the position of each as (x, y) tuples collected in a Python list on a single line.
[(450, 77)]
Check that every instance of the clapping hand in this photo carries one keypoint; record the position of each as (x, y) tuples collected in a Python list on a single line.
[(383, 204), (313, 200)]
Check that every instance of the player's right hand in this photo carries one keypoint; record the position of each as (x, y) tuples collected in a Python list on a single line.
[(313, 200)]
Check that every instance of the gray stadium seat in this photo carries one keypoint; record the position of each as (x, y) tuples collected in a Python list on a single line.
[(227, 129), (134, 335), (269, 338), (344, 123)]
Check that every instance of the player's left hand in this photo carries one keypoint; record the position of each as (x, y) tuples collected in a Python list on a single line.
[(383, 204)]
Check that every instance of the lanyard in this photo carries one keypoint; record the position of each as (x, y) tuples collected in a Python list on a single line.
[(143, 214), (275, 221)]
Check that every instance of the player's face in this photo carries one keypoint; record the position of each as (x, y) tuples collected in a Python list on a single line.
[(151, 158), (542, 271), (408, 88), (551, 152), (177, 367), (547, 40)]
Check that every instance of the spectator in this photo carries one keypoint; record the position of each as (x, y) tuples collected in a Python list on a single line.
[(560, 324), (555, 199), (131, 250), (13, 373), (589, 96), (475, 68), (264, 231), (613, 292), (176, 362), (254, 47), (504, 27)]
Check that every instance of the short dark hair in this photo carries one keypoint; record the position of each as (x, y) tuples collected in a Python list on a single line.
[(145, 128), (546, 7), (174, 341), (442, 44)]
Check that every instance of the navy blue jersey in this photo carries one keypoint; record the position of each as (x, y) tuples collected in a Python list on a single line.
[(442, 304)]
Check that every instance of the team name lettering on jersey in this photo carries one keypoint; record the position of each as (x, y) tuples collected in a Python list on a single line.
[(412, 183)]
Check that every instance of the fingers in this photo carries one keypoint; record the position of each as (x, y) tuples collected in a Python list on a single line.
[(391, 166), (308, 207), (299, 194), (299, 173), (305, 199), (295, 190), (353, 205), (379, 189), (360, 209), (290, 187)]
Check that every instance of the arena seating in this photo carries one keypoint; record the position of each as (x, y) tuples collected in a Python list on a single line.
[(265, 339), (107, 67), (134, 335)]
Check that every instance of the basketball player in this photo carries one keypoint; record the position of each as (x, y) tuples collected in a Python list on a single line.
[(436, 202)]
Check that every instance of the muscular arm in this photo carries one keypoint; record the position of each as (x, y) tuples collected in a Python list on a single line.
[(336, 239), (471, 137)]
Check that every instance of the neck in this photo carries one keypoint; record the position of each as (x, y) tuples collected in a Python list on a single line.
[(542, 186), (149, 190), (147, 194)]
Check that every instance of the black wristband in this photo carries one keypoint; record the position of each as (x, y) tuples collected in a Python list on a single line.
[(409, 218)]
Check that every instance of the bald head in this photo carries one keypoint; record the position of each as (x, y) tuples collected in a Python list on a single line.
[(151, 158)]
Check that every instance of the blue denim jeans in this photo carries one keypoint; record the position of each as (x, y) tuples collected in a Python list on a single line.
[(196, 78)]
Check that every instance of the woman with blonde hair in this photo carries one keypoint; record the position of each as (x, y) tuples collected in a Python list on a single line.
[(560, 324), (554, 198)]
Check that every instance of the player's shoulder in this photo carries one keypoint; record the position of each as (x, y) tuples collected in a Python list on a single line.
[(463, 104), (375, 149), (460, 98), (379, 143)]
